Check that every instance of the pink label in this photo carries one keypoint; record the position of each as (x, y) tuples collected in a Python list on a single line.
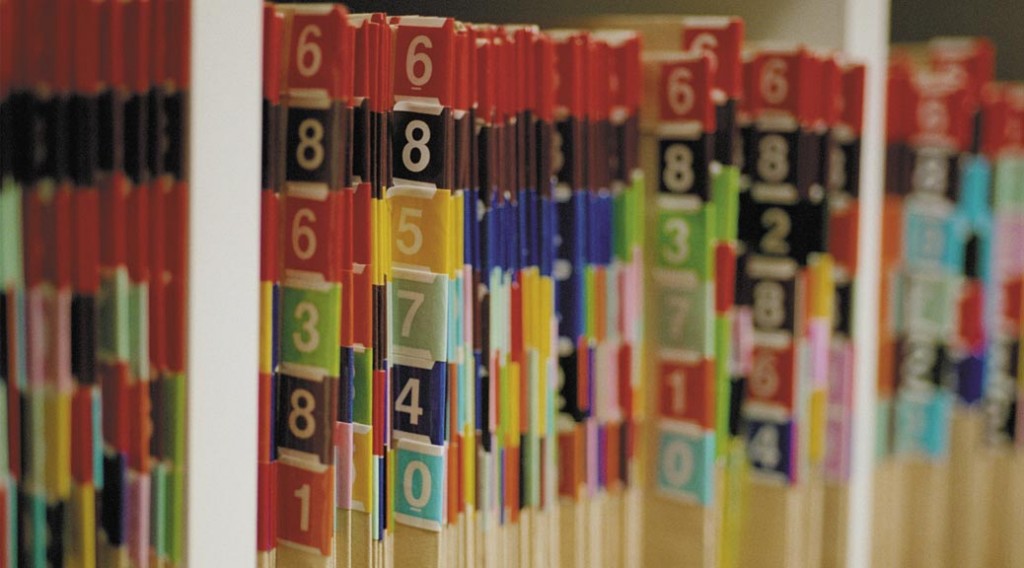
[(138, 519), (1009, 255), (343, 464), (818, 337), (840, 412), (742, 341)]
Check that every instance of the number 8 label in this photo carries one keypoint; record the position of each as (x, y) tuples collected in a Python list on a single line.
[(311, 328), (419, 485), (419, 142)]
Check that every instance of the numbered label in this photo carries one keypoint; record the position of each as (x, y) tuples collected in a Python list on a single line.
[(419, 143), (311, 219), (928, 303), (314, 40), (419, 485), (684, 316), (686, 392), (419, 397), (421, 229), (772, 376), (769, 447), (419, 314), (790, 230), (684, 241), (684, 167), (311, 332), (773, 293), (924, 366), (774, 157), (305, 505), (313, 145), (423, 58), (776, 81), (929, 236), (922, 425), (685, 457), (305, 416)]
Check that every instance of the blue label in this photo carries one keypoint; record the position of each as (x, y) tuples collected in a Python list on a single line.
[(922, 424), (685, 462), (419, 485), (770, 447), (419, 396)]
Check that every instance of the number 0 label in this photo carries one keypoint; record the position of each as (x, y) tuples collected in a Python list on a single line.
[(419, 485)]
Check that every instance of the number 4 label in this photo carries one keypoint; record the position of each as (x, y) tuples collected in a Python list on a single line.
[(419, 485), (419, 389)]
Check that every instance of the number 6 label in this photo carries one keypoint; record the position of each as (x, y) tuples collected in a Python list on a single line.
[(419, 485), (311, 217), (423, 49)]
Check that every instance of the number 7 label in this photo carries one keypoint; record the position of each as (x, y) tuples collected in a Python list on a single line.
[(419, 314)]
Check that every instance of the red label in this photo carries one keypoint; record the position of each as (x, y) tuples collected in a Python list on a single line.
[(772, 376), (570, 58), (972, 58), (312, 235), (684, 91), (305, 504), (424, 52), (722, 40), (785, 83), (686, 391), (852, 108), (941, 112), (316, 52), (266, 521)]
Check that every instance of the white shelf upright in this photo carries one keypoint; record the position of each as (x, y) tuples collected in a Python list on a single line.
[(223, 283)]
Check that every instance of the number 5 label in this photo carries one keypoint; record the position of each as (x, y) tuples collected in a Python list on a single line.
[(421, 228), (419, 485)]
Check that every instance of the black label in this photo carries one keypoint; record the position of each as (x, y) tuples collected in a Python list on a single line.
[(136, 126), (83, 339), (313, 145), (420, 147), (305, 422), (684, 166)]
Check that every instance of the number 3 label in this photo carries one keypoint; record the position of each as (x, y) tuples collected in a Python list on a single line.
[(419, 485), (684, 241), (311, 328)]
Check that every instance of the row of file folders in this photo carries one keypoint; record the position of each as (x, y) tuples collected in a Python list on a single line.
[(586, 296), (94, 199), (573, 297)]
